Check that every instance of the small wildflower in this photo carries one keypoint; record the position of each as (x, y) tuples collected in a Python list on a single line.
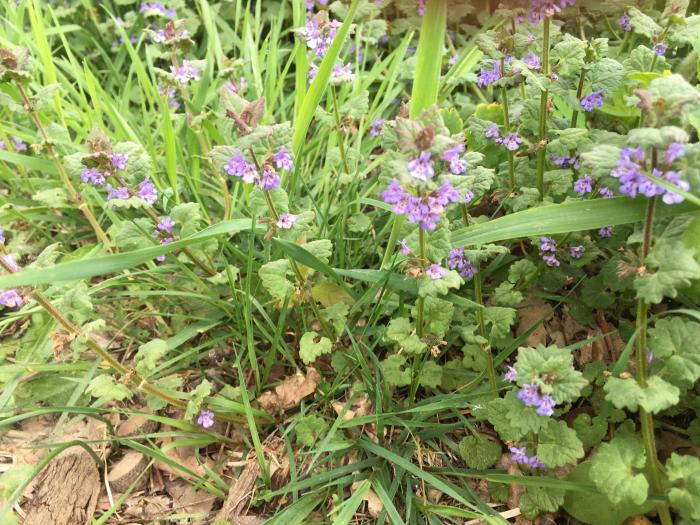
[(660, 49), (625, 22), (405, 250), (2, 236), (532, 61), (421, 7), (10, 298), (593, 99), (489, 76), (185, 72), (577, 252), (605, 192), (606, 231), (451, 155), (283, 160), (492, 132), (237, 166), (269, 180), (547, 244), (529, 395), (446, 194), (546, 406), (583, 185), (3, 146), (147, 191), (286, 221), (566, 161), (421, 167), (376, 127), (511, 374), (435, 271), (342, 73), (119, 160), (166, 224), (468, 196), (519, 455), (93, 176), (453, 60), (512, 141), (10, 262), (674, 151), (458, 261), (550, 260), (205, 419), (538, 10), (19, 144), (118, 192)]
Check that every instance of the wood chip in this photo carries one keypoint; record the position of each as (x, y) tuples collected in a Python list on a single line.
[(126, 470), (240, 492)]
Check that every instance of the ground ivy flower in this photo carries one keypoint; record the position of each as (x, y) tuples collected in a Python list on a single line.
[(487, 77), (119, 160), (550, 260), (519, 456), (546, 406), (10, 298), (205, 419), (147, 191), (170, 95), (157, 9), (237, 166), (593, 99), (606, 192), (530, 395), (318, 34), (286, 221), (20, 145), (2, 236), (511, 374), (269, 180), (674, 177), (451, 155), (435, 271), (492, 132), (93, 176), (468, 196), (3, 146), (166, 224), (538, 10), (547, 244), (456, 260), (421, 168), (283, 160), (118, 192), (606, 231), (186, 72), (577, 252), (342, 73), (583, 185), (532, 61), (376, 127), (625, 22), (446, 194), (512, 141), (405, 250), (660, 49), (566, 161), (674, 151)]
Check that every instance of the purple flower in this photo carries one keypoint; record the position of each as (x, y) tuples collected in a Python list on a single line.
[(583, 185), (660, 49), (593, 99), (269, 180), (492, 132), (550, 260), (237, 166), (283, 160), (457, 261), (535, 462), (3, 146), (446, 194), (147, 191), (529, 395), (435, 271), (453, 60), (670, 196), (547, 404), (10, 262), (625, 22), (566, 161), (2, 236), (376, 127), (10, 298), (512, 141), (421, 7), (532, 61), (489, 76), (119, 160), (286, 221), (547, 244), (674, 151), (19, 144), (119, 192), (93, 176), (511, 374), (421, 167), (451, 155), (606, 231), (170, 95), (185, 72), (205, 419), (166, 224), (577, 252), (605, 192), (159, 36), (342, 73), (538, 10), (519, 455), (405, 250), (468, 196)]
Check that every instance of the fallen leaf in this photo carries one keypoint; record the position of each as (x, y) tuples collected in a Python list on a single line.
[(531, 311), (290, 392)]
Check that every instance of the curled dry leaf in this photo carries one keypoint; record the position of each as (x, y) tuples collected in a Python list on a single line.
[(530, 312), (289, 393), (374, 504)]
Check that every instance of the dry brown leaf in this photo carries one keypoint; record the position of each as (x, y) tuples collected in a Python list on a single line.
[(188, 500), (290, 392), (240, 492), (361, 406), (531, 311), (184, 456), (374, 504)]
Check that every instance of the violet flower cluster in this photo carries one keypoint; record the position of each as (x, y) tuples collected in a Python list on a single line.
[(205, 419), (185, 73), (157, 9), (458, 261), (435, 271), (531, 396), (425, 210), (238, 166), (630, 170), (566, 161), (593, 99), (10, 298), (519, 456), (548, 249), (625, 22), (538, 10), (164, 231), (97, 178), (510, 140)]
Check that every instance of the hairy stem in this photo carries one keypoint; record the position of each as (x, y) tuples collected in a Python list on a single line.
[(579, 94), (541, 152), (423, 255), (82, 205), (506, 124)]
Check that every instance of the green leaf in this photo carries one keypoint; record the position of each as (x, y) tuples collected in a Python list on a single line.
[(658, 395), (500, 320), (614, 467), (197, 397), (438, 315), (643, 24), (274, 278), (401, 330), (523, 270), (670, 266), (675, 339), (684, 472), (337, 315), (558, 445), (76, 303), (590, 431), (432, 287), (426, 81), (540, 499), (168, 384), (606, 74), (519, 419), (552, 370), (311, 349), (310, 429), (479, 452), (505, 295), (569, 54), (430, 374), (148, 355), (107, 389), (394, 373), (187, 216)]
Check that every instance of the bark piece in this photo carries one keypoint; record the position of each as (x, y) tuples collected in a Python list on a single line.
[(126, 470), (240, 493), (66, 491)]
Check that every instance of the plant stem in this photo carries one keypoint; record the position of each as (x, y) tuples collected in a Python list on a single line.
[(506, 123), (579, 94), (541, 152), (423, 255), (645, 418), (341, 138), (82, 205)]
